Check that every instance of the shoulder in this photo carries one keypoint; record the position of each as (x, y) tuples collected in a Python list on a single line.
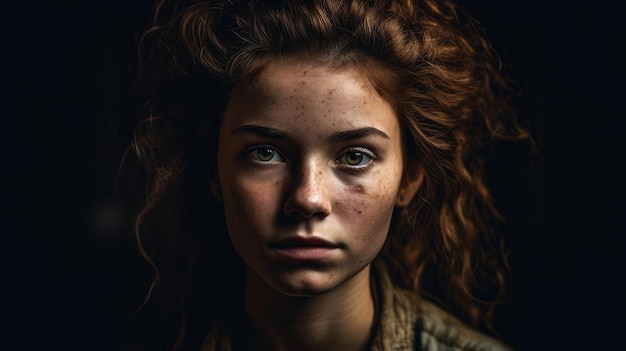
[(436, 330)]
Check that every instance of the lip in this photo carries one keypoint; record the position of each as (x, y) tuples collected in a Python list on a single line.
[(304, 248)]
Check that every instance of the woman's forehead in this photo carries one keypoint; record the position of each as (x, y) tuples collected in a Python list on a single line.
[(300, 93)]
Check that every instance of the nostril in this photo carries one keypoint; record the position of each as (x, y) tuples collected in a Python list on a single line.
[(306, 207)]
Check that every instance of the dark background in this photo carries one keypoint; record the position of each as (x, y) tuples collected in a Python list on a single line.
[(66, 121)]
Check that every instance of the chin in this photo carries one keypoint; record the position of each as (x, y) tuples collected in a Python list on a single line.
[(305, 284)]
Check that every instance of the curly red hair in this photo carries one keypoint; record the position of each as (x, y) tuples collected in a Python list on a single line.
[(428, 58)]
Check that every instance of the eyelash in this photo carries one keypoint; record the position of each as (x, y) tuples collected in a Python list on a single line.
[(253, 154)]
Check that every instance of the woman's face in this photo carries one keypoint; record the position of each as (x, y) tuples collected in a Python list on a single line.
[(310, 164)]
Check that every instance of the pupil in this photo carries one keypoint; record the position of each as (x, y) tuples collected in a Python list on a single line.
[(355, 158), (266, 154)]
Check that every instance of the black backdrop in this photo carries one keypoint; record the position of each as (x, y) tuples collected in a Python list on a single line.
[(65, 123)]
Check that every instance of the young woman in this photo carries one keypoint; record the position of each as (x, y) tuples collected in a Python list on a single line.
[(314, 175)]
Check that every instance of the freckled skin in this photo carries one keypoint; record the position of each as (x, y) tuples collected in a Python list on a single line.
[(308, 192)]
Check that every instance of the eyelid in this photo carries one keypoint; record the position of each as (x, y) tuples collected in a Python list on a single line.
[(362, 149)]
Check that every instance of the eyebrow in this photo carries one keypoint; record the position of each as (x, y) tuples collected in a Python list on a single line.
[(268, 132), (357, 134), (338, 137)]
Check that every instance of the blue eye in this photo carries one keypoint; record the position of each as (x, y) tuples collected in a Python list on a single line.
[(356, 158), (265, 154)]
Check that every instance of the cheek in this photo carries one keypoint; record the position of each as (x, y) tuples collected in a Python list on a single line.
[(248, 219), (250, 207), (370, 228), (376, 214), (381, 191), (371, 210)]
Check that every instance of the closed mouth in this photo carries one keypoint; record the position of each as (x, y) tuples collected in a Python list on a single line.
[(303, 242)]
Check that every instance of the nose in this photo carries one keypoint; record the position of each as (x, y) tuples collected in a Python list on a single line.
[(308, 195)]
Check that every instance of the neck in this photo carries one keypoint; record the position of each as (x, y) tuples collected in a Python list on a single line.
[(341, 319)]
